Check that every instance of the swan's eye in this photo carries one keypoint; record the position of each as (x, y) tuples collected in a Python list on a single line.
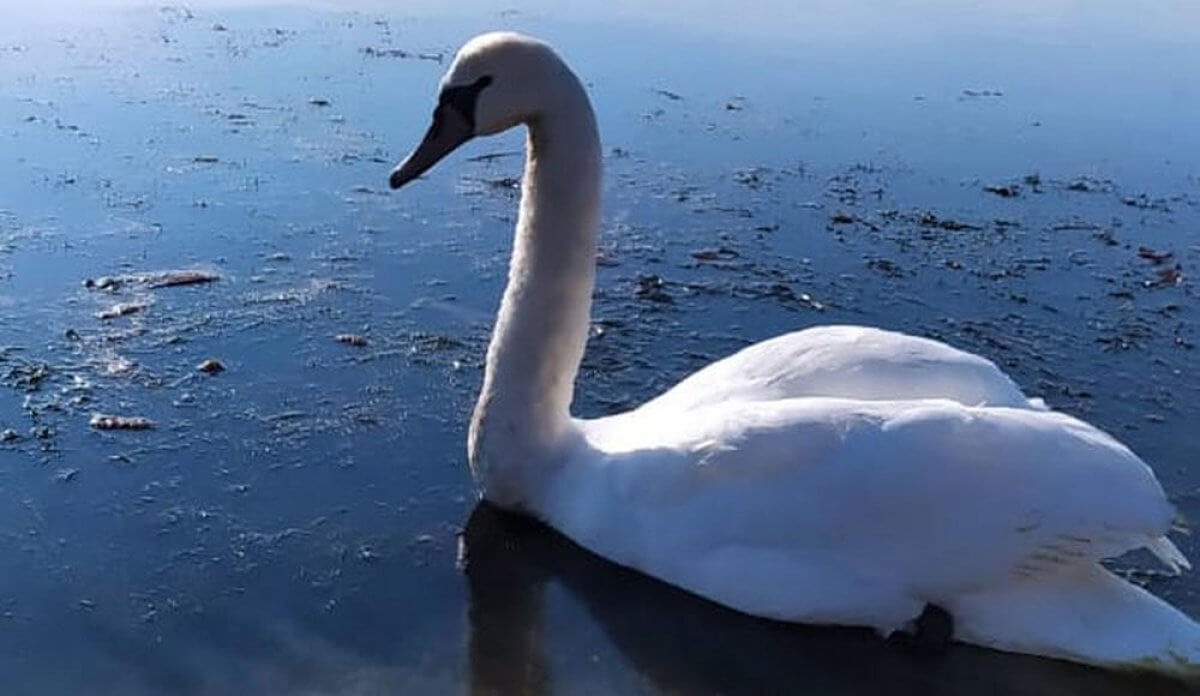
[(462, 98)]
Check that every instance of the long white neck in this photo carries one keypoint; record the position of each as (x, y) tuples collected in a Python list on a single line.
[(522, 418)]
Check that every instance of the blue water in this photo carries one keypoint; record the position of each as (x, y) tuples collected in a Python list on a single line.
[(292, 524)]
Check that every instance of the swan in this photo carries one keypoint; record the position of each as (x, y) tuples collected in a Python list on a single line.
[(834, 475)]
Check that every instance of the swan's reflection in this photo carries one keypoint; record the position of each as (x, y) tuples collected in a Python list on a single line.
[(681, 644), (506, 559)]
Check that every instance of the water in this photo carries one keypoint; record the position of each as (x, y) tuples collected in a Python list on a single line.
[(292, 524)]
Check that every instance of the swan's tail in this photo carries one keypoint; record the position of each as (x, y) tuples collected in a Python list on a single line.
[(1084, 614), (1169, 554)]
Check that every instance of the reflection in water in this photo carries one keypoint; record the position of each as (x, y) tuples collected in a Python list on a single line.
[(683, 644), (508, 564)]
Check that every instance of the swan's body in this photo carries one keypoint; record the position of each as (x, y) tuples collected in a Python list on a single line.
[(840, 475)]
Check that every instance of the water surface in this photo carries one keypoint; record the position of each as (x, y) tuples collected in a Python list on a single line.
[(292, 524)]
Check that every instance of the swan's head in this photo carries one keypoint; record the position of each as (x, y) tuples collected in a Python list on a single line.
[(497, 81)]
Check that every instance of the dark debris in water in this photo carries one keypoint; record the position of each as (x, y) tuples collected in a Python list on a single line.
[(1075, 224), (510, 185), (929, 219), (1144, 202), (152, 279), (721, 253), (1166, 277), (887, 267), (1156, 257), (1142, 577), (1088, 184), (504, 182), (390, 52), (753, 178), (1004, 190), (493, 156), (121, 309), (653, 288), (783, 293), (24, 375), (104, 421)]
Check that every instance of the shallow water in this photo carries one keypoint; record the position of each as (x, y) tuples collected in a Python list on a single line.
[(292, 524)]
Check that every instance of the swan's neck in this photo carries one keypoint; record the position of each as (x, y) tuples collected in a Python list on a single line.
[(522, 419)]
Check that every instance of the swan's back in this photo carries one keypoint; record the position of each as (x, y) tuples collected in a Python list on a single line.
[(848, 362)]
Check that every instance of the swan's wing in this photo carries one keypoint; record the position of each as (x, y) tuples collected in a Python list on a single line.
[(850, 362), (930, 497)]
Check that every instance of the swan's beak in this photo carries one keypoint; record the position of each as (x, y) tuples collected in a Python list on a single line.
[(448, 130)]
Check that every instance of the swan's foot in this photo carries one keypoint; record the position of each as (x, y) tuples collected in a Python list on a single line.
[(930, 634)]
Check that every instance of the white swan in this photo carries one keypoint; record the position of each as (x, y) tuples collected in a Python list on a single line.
[(841, 474)]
